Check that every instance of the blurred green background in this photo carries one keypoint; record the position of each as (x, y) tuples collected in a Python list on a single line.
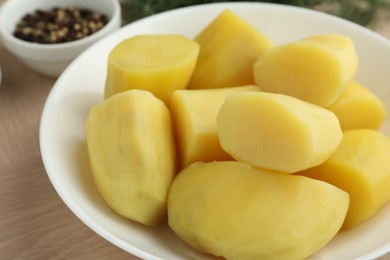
[(365, 13)]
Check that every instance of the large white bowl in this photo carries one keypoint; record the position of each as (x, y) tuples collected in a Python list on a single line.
[(81, 86), (52, 59)]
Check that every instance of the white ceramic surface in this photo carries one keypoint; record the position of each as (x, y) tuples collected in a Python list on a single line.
[(81, 86), (52, 59)]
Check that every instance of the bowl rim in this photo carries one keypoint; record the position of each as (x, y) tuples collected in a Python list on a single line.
[(8, 37)]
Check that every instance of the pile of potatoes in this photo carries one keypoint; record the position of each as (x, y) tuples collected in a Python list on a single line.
[(252, 150)]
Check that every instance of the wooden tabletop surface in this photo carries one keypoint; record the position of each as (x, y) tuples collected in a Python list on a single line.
[(34, 222)]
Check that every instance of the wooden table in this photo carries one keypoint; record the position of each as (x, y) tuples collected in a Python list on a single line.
[(34, 222)]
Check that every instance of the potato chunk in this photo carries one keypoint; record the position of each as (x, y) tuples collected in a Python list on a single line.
[(233, 210), (276, 131), (316, 69), (132, 155), (229, 46), (359, 108), (361, 167), (157, 63), (194, 114)]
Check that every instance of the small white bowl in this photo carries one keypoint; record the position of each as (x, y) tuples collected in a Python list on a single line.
[(52, 59)]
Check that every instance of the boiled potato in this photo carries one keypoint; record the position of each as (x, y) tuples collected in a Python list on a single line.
[(233, 210), (194, 114), (229, 46), (157, 63), (359, 108), (361, 167), (132, 154), (316, 69), (276, 131)]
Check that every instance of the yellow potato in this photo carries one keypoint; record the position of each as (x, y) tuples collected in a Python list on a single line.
[(131, 152), (229, 46), (359, 108), (233, 210), (276, 131), (157, 63), (316, 69), (361, 167), (194, 114)]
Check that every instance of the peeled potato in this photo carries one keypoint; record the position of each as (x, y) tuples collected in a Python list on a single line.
[(157, 63), (316, 69), (359, 108), (194, 114), (276, 131), (361, 167), (233, 210), (132, 154), (229, 46)]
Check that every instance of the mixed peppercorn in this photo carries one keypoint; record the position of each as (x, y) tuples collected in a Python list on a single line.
[(59, 25)]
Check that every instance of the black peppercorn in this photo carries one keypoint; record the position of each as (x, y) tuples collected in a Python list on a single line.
[(59, 25)]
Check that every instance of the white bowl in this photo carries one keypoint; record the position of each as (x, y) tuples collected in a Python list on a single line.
[(81, 86), (51, 59)]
